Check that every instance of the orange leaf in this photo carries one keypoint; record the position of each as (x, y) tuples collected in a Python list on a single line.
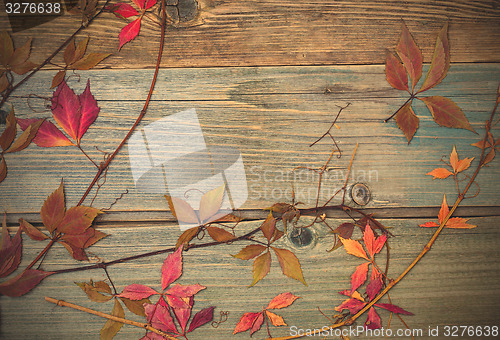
[(441, 173), (249, 252), (77, 219), (211, 202), (290, 264), (261, 267), (464, 164), (446, 113), (181, 210), (282, 300), (457, 164), (454, 159), (429, 225), (53, 209), (407, 121), (90, 60), (186, 236), (69, 52), (268, 226), (440, 61), (395, 73), (459, 223), (489, 157), (443, 212), (31, 231), (219, 234), (354, 248), (275, 319), (58, 78), (26, 137), (410, 55)]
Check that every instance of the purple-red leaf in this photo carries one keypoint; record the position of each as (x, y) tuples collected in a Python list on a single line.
[(359, 276), (23, 283), (48, 134), (160, 318), (410, 55), (446, 113), (282, 300), (393, 308), (345, 230), (407, 121), (353, 305), (257, 323), (171, 269), (373, 320), (395, 73), (137, 291), (10, 250), (66, 109), (129, 32), (88, 111), (201, 318), (183, 314), (373, 288), (246, 322)]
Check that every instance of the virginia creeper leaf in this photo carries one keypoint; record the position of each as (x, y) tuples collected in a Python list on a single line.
[(137, 291), (290, 264), (58, 78), (282, 300), (261, 267), (345, 230), (171, 269), (6, 48), (444, 211), (353, 305), (102, 287), (9, 133), (92, 293), (69, 52), (77, 219), (183, 314), (489, 157), (211, 202), (89, 61), (446, 113), (20, 55), (359, 276), (275, 319), (32, 231), (4, 82), (135, 306), (441, 173), (26, 137), (3, 168), (129, 32), (246, 322), (440, 61), (393, 308), (124, 10), (150, 3), (177, 302), (369, 239), (88, 111), (459, 223), (185, 291), (181, 210), (10, 250), (186, 236), (249, 252), (458, 164), (201, 318), (48, 134), (76, 252), (53, 209), (407, 121), (354, 248), (373, 320), (66, 109), (111, 327), (219, 234), (454, 222), (395, 73), (268, 226), (375, 284), (410, 55), (23, 283), (257, 323), (160, 318), (81, 47)]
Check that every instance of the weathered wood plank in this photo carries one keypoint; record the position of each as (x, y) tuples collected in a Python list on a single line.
[(271, 32), (271, 115), (457, 282)]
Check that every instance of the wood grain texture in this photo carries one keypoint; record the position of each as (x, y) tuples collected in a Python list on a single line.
[(271, 115), (457, 282), (272, 32)]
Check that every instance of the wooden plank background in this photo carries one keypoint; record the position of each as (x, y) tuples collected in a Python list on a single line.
[(267, 77)]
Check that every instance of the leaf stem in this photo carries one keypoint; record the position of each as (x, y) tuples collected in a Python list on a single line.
[(142, 325), (396, 112), (42, 253), (90, 159)]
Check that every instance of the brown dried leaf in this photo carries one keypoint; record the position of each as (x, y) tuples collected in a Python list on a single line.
[(219, 234), (92, 293), (9, 133), (446, 113), (6, 48), (3, 168), (26, 137), (395, 73), (58, 78), (410, 55), (111, 327), (249, 252), (268, 226), (21, 54), (261, 267), (31, 231), (440, 61), (407, 121), (80, 50), (4, 82), (53, 209), (186, 236), (89, 61), (290, 264), (69, 52), (135, 306)]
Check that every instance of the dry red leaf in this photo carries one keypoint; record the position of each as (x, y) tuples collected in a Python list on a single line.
[(202, 317), (23, 283), (407, 121), (395, 73), (282, 300), (9, 134), (129, 32), (440, 61), (375, 284), (171, 269), (446, 113), (246, 322), (159, 317), (373, 320), (410, 55), (10, 250), (48, 134), (359, 276), (32, 231), (53, 209), (137, 291)]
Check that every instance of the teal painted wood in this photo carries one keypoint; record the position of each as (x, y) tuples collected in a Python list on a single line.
[(271, 115), (457, 282)]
